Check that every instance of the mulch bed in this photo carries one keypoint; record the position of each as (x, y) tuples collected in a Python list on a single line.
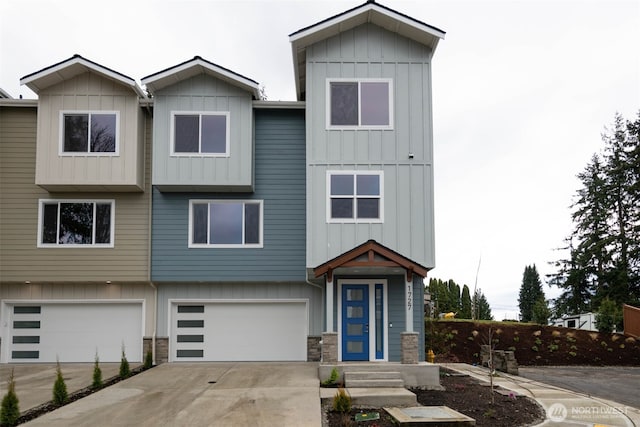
[(463, 394)]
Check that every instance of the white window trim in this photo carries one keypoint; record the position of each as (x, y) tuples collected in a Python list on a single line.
[(172, 135), (329, 126), (42, 202), (210, 245), (354, 220), (63, 153)]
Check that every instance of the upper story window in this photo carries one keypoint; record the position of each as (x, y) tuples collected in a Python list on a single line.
[(354, 196), (359, 104), (94, 133), (203, 134), (225, 223), (73, 223)]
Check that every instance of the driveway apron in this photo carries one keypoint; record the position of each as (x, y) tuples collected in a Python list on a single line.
[(202, 394)]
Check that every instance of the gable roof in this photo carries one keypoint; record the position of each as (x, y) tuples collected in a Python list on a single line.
[(369, 12), (371, 254), (72, 67), (194, 67)]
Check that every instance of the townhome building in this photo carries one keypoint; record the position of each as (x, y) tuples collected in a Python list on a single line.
[(198, 222), (74, 220)]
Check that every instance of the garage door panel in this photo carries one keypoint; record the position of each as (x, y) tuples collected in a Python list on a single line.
[(77, 332), (241, 331)]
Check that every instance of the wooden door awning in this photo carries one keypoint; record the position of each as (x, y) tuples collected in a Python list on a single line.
[(371, 254)]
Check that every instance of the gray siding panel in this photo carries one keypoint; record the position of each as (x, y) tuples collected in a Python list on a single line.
[(203, 93), (280, 182), (369, 51)]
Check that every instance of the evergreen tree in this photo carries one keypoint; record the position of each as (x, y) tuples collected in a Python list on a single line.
[(621, 160), (483, 310), (465, 303), (10, 408), (577, 293), (530, 292), (446, 297), (541, 312), (604, 247), (60, 394)]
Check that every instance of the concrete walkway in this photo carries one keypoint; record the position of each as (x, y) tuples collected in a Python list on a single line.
[(564, 408), (202, 394)]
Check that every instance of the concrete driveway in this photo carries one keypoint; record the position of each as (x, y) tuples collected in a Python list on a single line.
[(617, 383), (202, 394)]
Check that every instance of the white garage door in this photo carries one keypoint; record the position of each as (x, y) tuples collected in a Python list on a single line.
[(74, 332), (239, 331)]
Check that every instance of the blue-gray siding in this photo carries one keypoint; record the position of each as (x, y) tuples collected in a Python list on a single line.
[(280, 182)]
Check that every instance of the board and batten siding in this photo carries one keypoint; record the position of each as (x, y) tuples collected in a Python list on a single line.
[(20, 258), (204, 93), (89, 92), (369, 51), (220, 291), (280, 183)]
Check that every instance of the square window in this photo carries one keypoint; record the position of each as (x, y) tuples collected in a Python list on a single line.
[(354, 104), (225, 223), (354, 196), (204, 134), (89, 133), (76, 223)]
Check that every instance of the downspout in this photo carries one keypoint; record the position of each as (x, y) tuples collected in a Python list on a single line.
[(155, 322), (150, 215), (322, 290)]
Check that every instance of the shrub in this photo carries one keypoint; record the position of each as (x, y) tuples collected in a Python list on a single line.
[(534, 348), (342, 401), (125, 371), (10, 411), (60, 395), (148, 360), (97, 374), (333, 377)]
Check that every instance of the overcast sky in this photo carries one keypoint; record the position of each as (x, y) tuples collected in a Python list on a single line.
[(522, 92)]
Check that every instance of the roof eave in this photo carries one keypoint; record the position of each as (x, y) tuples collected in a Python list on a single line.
[(369, 12), (38, 81), (172, 75)]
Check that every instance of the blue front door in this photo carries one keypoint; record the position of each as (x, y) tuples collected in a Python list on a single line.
[(355, 322)]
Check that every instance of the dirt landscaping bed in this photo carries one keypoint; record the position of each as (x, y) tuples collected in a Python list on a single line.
[(533, 345), (463, 394)]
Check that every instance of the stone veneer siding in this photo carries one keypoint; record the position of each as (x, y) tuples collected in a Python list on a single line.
[(314, 352), (329, 347), (409, 346), (162, 350)]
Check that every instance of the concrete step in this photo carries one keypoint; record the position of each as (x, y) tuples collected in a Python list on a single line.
[(372, 397), (373, 383), (373, 379), (366, 375)]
